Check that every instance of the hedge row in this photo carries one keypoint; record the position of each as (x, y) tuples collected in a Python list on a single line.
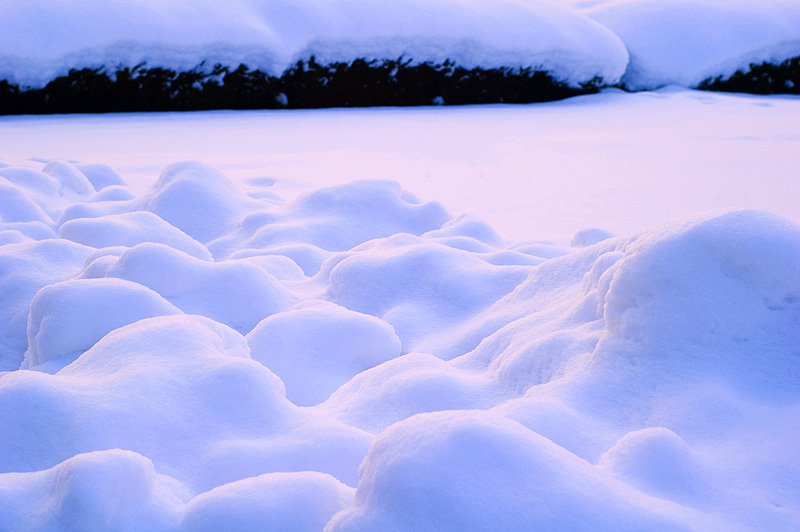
[(305, 85), (308, 85), (764, 78)]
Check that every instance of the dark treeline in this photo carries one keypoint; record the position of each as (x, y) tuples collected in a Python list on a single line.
[(307, 84), (764, 78)]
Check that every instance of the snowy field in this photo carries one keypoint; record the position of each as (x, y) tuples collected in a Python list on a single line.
[(271, 345), (617, 161), (574, 316)]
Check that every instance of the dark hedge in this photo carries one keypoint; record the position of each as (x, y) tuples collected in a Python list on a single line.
[(764, 78), (309, 84), (305, 85)]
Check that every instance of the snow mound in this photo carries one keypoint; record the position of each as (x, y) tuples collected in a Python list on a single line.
[(98, 491), (588, 237), (333, 219), (236, 293), (656, 461), (711, 298), (291, 502), (16, 206), (410, 384), (26, 268), (69, 317), (401, 370), (197, 199), (316, 347), (101, 176), (129, 229), (416, 286), (149, 385), (472, 471)]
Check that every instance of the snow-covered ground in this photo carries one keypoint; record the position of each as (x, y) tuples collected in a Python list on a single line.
[(270, 345), (581, 315), (617, 161)]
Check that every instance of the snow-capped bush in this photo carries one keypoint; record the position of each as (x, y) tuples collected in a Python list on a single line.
[(307, 84), (764, 78)]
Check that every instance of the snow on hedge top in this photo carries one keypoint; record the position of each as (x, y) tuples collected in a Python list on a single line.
[(43, 39), (683, 42), (678, 42)]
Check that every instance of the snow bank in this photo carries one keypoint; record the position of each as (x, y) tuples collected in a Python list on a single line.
[(45, 39), (668, 41), (304, 371), (679, 42)]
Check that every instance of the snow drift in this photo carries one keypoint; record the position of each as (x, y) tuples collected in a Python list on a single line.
[(354, 359)]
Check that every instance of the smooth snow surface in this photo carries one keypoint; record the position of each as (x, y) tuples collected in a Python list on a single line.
[(211, 354), (615, 161)]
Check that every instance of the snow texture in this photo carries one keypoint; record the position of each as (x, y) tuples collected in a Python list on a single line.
[(353, 359)]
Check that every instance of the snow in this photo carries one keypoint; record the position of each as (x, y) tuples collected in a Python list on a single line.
[(68, 318), (127, 230), (108, 490), (645, 44), (680, 42), (212, 289), (293, 327), (317, 346), (276, 501), (615, 161), (444, 471), (351, 357), (44, 39)]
